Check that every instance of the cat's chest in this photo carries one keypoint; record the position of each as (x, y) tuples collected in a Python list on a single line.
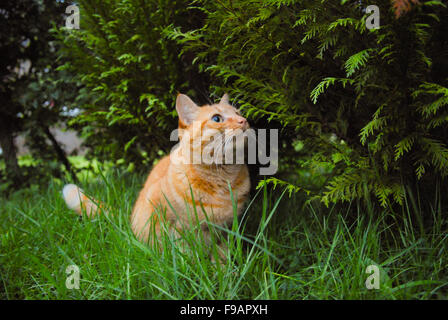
[(217, 183)]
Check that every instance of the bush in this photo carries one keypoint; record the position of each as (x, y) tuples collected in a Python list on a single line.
[(367, 107), (369, 103), (130, 74)]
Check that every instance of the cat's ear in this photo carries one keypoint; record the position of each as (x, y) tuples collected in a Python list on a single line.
[(186, 109), (224, 99)]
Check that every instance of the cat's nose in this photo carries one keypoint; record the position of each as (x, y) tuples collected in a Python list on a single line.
[(242, 121)]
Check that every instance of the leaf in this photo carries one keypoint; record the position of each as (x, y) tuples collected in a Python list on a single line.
[(356, 61)]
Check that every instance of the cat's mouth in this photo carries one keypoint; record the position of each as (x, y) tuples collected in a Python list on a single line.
[(235, 140), (225, 148)]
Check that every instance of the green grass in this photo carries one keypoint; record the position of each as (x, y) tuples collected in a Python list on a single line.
[(283, 248)]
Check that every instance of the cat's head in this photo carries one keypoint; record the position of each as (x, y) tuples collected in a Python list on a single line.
[(212, 125)]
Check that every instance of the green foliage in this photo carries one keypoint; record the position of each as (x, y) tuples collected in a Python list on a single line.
[(369, 106), (375, 98), (130, 74)]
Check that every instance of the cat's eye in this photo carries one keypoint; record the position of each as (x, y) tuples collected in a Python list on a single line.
[(217, 118)]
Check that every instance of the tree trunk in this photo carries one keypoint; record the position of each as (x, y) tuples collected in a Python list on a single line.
[(60, 153), (9, 154)]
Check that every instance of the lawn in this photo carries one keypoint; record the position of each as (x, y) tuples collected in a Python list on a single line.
[(283, 247)]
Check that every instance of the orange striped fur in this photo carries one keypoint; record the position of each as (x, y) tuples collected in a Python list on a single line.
[(177, 181)]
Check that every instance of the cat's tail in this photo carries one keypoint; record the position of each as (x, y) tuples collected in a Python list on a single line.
[(76, 199)]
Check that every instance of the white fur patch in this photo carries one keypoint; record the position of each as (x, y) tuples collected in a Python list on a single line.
[(71, 195)]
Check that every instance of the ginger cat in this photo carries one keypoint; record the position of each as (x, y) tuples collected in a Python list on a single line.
[(176, 177)]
